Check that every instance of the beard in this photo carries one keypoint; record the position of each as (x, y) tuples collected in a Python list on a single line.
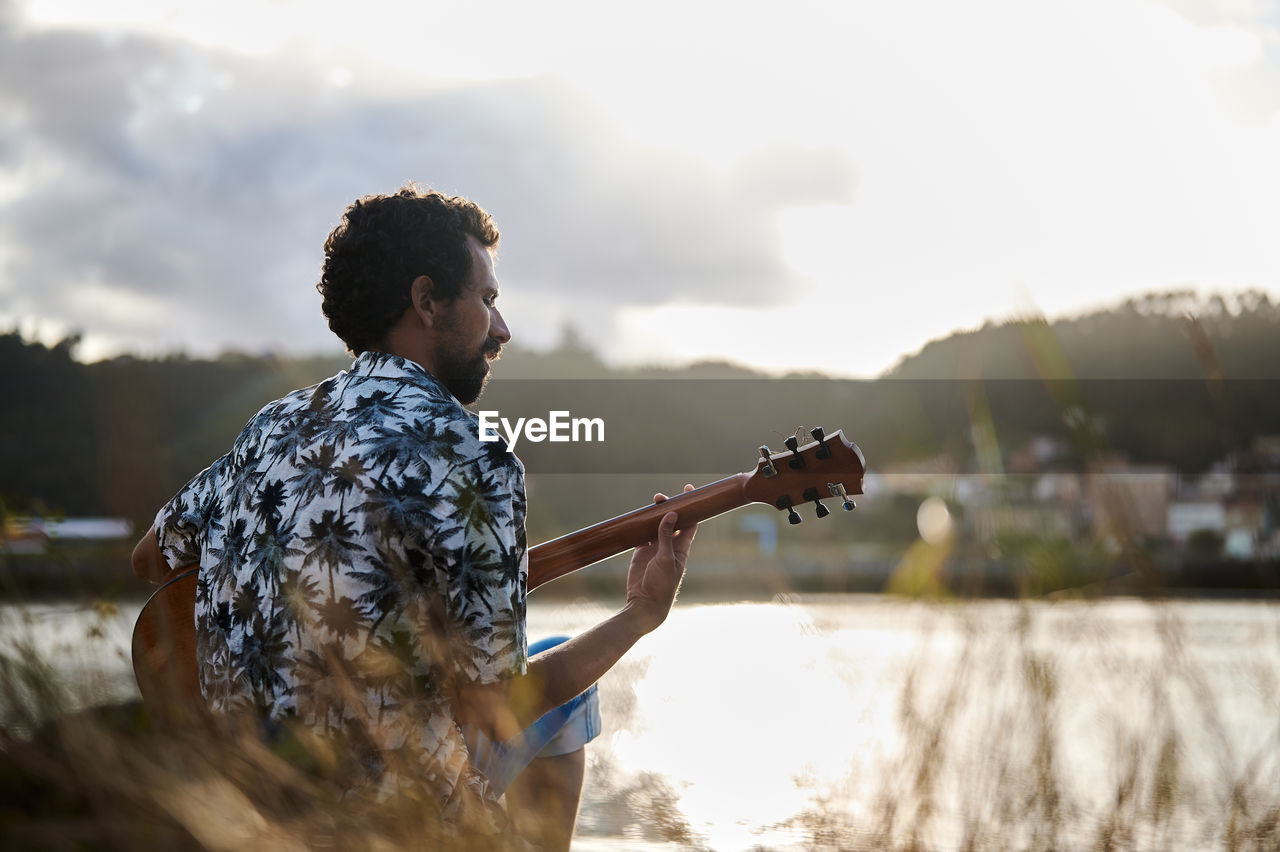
[(465, 377)]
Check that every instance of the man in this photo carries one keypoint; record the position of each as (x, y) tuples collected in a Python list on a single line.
[(362, 553)]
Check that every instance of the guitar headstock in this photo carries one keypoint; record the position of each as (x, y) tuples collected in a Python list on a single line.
[(827, 466)]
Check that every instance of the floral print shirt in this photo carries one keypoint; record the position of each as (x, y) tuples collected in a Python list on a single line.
[(362, 555)]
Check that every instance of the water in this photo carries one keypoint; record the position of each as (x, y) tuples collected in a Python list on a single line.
[(851, 719), (848, 720), (86, 647)]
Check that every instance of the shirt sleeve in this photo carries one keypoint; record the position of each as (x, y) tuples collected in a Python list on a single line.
[(480, 545), (182, 524)]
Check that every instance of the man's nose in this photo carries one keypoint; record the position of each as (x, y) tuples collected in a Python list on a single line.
[(498, 327)]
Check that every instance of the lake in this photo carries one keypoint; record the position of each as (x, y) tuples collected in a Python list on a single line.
[(853, 721)]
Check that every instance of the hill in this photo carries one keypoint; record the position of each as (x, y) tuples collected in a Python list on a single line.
[(1173, 335)]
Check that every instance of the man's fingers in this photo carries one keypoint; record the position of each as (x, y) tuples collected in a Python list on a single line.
[(659, 497), (667, 527), (683, 541)]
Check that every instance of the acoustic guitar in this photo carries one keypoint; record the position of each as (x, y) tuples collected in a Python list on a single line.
[(164, 655)]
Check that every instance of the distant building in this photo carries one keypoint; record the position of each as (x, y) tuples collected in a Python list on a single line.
[(1185, 518), (34, 535), (1128, 500), (1040, 453), (1252, 528), (1214, 486)]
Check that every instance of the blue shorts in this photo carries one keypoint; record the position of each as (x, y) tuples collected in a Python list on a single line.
[(563, 730)]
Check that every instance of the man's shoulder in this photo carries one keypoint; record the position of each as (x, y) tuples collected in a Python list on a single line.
[(373, 395)]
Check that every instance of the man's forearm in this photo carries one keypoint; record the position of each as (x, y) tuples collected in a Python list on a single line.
[(558, 674), (506, 707)]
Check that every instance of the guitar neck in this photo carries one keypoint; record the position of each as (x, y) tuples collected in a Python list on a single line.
[(560, 556)]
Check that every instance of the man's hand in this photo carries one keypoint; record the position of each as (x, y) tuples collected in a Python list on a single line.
[(656, 570)]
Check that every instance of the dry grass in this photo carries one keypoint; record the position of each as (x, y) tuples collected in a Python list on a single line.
[(992, 757), (989, 761)]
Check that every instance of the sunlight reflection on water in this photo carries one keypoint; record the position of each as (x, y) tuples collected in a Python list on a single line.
[(768, 723)]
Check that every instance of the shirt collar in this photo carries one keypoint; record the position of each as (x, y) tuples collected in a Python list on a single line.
[(384, 365)]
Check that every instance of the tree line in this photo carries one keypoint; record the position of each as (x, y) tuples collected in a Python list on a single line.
[(1169, 378)]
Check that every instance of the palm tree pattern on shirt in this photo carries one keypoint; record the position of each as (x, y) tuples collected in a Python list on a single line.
[(361, 554)]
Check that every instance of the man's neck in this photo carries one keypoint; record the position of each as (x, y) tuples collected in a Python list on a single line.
[(409, 344)]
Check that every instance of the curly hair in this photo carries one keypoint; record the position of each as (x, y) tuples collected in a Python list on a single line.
[(383, 243)]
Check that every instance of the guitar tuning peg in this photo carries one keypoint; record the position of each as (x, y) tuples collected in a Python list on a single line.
[(824, 452), (768, 470), (837, 490), (812, 494), (796, 461), (784, 502)]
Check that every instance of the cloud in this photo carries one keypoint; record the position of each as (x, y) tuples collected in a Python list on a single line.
[(1215, 12), (197, 187)]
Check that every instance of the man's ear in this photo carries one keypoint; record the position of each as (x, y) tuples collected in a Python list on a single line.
[(421, 302)]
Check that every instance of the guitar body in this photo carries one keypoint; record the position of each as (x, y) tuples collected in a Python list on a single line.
[(164, 645), (164, 639)]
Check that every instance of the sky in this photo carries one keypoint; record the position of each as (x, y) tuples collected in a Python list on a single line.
[(820, 186)]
